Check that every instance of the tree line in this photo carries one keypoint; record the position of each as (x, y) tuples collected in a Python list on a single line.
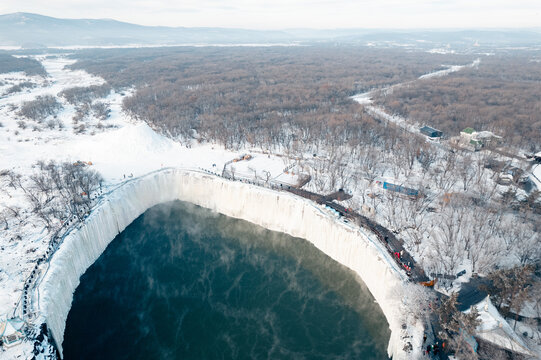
[(9, 63), (254, 96)]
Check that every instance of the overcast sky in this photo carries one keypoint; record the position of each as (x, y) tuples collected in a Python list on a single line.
[(280, 14)]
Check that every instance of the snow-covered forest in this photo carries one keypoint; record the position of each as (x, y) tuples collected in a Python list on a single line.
[(297, 102), (73, 127)]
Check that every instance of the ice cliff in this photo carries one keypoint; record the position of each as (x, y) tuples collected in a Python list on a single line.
[(278, 211)]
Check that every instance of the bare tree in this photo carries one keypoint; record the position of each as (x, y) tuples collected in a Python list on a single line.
[(457, 326), (4, 216), (267, 176), (526, 243), (509, 287), (467, 171), (481, 243), (445, 177), (426, 156), (448, 242)]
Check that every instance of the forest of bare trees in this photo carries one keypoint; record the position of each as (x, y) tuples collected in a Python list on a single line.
[(502, 95), (29, 66), (40, 108), (265, 96), (260, 96), (56, 192)]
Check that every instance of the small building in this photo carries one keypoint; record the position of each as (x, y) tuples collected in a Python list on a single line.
[(478, 139), (505, 179), (487, 138), (494, 329), (466, 137), (430, 132), (400, 189)]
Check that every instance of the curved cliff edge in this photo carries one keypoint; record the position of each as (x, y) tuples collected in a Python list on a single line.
[(278, 211)]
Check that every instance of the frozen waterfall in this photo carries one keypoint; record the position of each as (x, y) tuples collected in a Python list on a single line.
[(278, 211)]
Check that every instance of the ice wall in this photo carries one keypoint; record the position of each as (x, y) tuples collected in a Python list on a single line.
[(273, 210)]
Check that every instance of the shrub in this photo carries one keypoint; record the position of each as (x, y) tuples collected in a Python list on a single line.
[(39, 108)]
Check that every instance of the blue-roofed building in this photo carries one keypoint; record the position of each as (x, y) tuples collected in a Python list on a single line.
[(430, 132), (400, 189)]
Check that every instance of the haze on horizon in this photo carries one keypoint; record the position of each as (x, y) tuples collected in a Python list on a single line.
[(283, 14)]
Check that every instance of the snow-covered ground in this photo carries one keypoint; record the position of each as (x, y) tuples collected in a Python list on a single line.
[(495, 329), (264, 167), (7, 80)]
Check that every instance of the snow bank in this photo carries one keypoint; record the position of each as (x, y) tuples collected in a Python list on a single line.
[(536, 176), (496, 330), (273, 210)]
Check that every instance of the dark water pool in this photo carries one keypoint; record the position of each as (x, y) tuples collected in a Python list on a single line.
[(182, 282)]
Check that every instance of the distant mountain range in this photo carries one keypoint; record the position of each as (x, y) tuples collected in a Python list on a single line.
[(36, 31)]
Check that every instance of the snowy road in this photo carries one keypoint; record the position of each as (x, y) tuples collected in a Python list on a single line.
[(406, 124)]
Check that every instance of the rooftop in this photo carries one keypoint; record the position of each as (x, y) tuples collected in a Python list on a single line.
[(428, 128), (485, 134)]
